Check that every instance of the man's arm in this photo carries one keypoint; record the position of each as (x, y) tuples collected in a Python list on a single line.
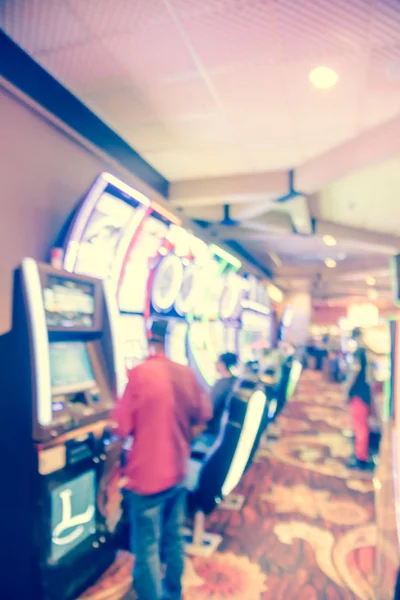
[(123, 413)]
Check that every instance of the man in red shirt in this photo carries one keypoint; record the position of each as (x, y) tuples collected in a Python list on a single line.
[(163, 407)]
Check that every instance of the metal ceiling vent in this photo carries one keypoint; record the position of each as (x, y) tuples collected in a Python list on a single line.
[(296, 204)]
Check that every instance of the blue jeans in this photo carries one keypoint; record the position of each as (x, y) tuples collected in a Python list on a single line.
[(156, 526)]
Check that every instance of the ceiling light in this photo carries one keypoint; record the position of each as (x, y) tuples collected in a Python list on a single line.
[(371, 281), (323, 78), (372, 294), (330, 263), (329, 240)]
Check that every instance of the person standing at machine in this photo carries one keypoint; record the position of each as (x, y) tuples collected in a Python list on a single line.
[(225, 365), (164, 408), (359, 399)]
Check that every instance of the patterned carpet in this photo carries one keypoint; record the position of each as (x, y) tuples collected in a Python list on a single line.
[(306, 529)]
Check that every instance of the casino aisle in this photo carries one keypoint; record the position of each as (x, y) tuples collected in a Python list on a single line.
[(300, 526)]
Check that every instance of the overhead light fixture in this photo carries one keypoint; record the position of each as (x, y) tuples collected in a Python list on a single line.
[(323, 78), (329, 240), (330, 263), (371, 281), (372, 294)]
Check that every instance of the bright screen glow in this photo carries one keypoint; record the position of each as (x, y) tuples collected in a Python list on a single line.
[(231, 339), (70, 367), (167, 283), (251, 425), (201, 355), (100, 240), (68, 302), (217, 336), (133, 291), (73, 514)]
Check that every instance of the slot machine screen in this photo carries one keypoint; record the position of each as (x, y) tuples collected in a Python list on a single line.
[(73, 514), (133, 290), (201, 354), (101, 238), (69, 303), (230, 339), (70, 367), (217, 336)]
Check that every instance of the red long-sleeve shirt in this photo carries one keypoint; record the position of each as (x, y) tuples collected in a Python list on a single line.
[(160, 405)]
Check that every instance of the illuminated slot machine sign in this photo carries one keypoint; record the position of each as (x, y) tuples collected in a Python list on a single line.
[(206, 331), (175, 288), (256, 321), (231, 310), (134, 293), (103, 228)]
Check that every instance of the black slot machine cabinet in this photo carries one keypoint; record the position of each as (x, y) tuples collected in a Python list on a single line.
[(58, 381)]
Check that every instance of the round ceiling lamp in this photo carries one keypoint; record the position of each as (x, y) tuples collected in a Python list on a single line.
[(370, 280), (323, 78), (330, 263), (329, 240)]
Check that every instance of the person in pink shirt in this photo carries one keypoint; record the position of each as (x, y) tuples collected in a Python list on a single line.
[(164, 408)]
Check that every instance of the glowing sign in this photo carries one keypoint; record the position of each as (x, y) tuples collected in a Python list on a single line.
[(73, 509)]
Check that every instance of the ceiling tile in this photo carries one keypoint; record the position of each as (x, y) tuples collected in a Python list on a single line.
[(122, 106), (82, 68), (201, 131), (379, 107), (149, 137), (183, 164), (108, 17), (185, 98), (40, 25), (385, 26), (384, 69), (151, 55), (259, 94), (319, 28), (231, 33)]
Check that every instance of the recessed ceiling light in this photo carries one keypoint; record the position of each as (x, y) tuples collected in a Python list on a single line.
[(330, 263), (372, 294), (371, 281), (323, 78), (329, 240)]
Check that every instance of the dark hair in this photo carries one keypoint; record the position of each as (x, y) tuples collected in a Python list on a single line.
[(229, 359), (356, 333), (158, 331)]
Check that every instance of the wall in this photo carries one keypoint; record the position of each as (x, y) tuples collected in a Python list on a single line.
[(43, 174), (298, 329), (328, 315)]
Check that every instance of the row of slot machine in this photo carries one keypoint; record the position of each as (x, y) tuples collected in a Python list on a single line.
[(75, 332), (158, 268)]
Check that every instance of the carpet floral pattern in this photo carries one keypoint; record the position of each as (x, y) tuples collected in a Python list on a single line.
[(306, 530)]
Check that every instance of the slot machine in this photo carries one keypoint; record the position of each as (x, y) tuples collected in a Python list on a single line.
[(175, 288), (206, 332), (256, 322), (60, 462), (231, 310)]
